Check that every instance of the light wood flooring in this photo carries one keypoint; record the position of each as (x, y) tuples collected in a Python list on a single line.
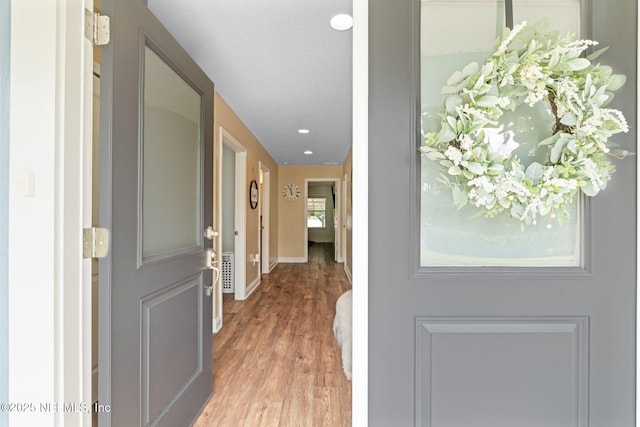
[(275, 360)]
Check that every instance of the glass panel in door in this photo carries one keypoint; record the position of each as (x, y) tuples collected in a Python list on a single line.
[(465, 236), (171, 161)]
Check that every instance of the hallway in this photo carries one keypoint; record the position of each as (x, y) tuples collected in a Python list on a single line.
[(276, 361)]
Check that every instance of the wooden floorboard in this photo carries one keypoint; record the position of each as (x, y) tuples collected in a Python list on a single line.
[(275, 360)]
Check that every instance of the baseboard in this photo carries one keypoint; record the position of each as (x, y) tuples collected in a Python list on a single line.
[(272, 264), (217, 324), (252, 287), (348, 272), (286, 260)]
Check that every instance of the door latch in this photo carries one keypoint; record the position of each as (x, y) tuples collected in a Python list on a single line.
[(212, 264)]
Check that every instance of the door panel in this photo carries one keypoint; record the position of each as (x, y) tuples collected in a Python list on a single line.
[(460, 362), (155, 337), (495, 346), (176, 308)]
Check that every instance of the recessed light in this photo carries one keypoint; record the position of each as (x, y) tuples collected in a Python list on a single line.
[(303, 130), (341, 22), (308, 153)]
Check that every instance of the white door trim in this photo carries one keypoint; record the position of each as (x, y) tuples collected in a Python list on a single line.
[(265, 207), (343, 219), (49, 281), (239, 257), (360, 215)]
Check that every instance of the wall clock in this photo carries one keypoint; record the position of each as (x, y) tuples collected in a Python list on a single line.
[(253, 194), (290, 192)]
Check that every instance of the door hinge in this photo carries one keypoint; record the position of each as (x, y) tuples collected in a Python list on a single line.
[(95, 242), (96, 28)]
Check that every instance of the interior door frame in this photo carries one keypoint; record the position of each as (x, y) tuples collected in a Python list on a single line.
[(264, 210), (60, 371), (239, 254), (343, 218), (360, 214)]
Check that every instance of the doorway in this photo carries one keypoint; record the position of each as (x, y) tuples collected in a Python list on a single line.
[(323, 214), (235, 236)]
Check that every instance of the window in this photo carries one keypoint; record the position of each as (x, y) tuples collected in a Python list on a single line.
[(452, 237), (316, 212)]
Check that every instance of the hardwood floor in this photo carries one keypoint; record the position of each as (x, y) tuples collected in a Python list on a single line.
[(276, 361)]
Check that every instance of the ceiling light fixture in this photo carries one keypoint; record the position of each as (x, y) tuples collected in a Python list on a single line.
[(303, 131), (341, 22), (308, 153)]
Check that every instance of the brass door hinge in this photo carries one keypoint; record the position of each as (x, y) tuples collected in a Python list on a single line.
[(96, 28), (95, 242)]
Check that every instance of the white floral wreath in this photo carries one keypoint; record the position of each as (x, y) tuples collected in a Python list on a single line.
[(530, 65)]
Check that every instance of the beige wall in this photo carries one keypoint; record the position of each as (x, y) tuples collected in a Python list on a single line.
[(347, 174), (226, 118), (287, 239), (291, 229)]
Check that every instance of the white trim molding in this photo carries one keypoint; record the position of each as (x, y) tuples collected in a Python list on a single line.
[(50, 294), (360, 396), (286, 260), (252, 287), (348, 273)]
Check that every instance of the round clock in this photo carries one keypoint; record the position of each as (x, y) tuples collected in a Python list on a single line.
[(290, 192)]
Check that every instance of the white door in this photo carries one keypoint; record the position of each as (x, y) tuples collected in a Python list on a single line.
[(155, 337), (493, 346)]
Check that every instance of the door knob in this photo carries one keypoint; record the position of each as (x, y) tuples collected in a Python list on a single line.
[(210, 233)]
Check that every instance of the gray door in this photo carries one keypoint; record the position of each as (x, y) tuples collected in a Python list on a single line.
[(494, 346), (155, 338)]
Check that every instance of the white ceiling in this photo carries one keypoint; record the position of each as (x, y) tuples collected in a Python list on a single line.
[(279, 66)]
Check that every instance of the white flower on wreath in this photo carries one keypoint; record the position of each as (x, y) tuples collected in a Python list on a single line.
[(500, 142)]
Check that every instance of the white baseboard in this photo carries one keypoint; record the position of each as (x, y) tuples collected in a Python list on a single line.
[(252, 287), (348, 272), (272, 264), (292, 260), (217, 324)]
